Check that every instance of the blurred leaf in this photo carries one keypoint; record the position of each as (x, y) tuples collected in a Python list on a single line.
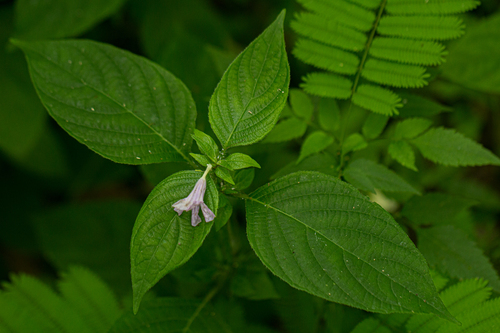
[(51, 19), (368, 175), (370, 325), (410, 128), (314, 143), (157, 172), (122, 106), (353, 142), (322, 162), (447, 147), (374, 125), (402, 152), (223, 213), (435, 208), (305, 227), (171, 315), (451, 252), (329, 114), (418, 106), (239, 161), (240, 113), (161, 239), (94, 234), (286, 130), (301, 104), (468, 64), (225, 175), (252, 281), (202, 159), (244, 178)]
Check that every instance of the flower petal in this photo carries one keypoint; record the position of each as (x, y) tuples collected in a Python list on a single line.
[(207, 213), (195, 218)]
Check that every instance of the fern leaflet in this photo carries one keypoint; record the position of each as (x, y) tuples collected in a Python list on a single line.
[(408, 51), (430, 7), (327, 85)]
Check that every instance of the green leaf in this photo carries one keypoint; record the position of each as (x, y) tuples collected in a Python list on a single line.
[(53, 19), (322, 236), (322, 162), (353, 142), (239, 161), (91, 234), (450, 251), (202, 159), (38, 308), (122, 106), (421, 27), (171, 315), (368, 175), (314, 143), (161, 239), (250, 96), (377, 99), (224, 212), (447, 147), (286, 130), (418, 52), (418, 106), (244, 178), (430, 8), (224, 174), (410, 128), (329, 114), (394, 74), (93, 299), (435, 208), (252, 281), (476, 70), (374, 125), (327, 85), (301, 104), (206, 144), (402, 152), (370, 325)]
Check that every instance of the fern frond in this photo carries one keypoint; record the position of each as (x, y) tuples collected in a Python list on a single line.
[(479, 319), (377, 99), (422, 27), (430, 7), (393, 74), (93, 300), (326, 57), (327, 85), (346, 13), (370, 325), (330, 32), (417, 52), (370, 4)]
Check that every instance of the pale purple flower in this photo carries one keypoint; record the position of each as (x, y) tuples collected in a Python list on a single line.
[(194, 201)]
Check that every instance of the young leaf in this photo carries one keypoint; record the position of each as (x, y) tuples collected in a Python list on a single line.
[(450, 251), (322, 236), (202, 159), (239, 161), (171, 315), (368, 175), (224, 174), (322, 162), (93, 299), (374, 125), (410, 128), (435, 208), (206, 144), (244, 178), (301, 104), (286, 130), (329, 114), (60, 18), (161, 239), (248, 100), (447, 147), (223, 213), (353, 142), (402, 152), (122, 106), (314, 143)]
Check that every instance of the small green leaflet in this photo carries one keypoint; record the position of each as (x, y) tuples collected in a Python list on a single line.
[(122, 106), (368, 175), (224, 212), (171, 315), (353, 142), (314, 143), (286, 130), (250, 96), (329, 114), (374, 125), (224, 174), (202, 159), (410, 128), (447, 147), (162, 240), (206, 145), (402, 152), (450, 251), (322, 236), (301, 104), (239, 161)]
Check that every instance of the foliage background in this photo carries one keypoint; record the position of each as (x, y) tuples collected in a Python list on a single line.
[(62, 204)]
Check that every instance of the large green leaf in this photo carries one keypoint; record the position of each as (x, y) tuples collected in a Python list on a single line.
[(248, 100), (322, 236), (122, 106), (163, 240), (60, 18), (171, 315)]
